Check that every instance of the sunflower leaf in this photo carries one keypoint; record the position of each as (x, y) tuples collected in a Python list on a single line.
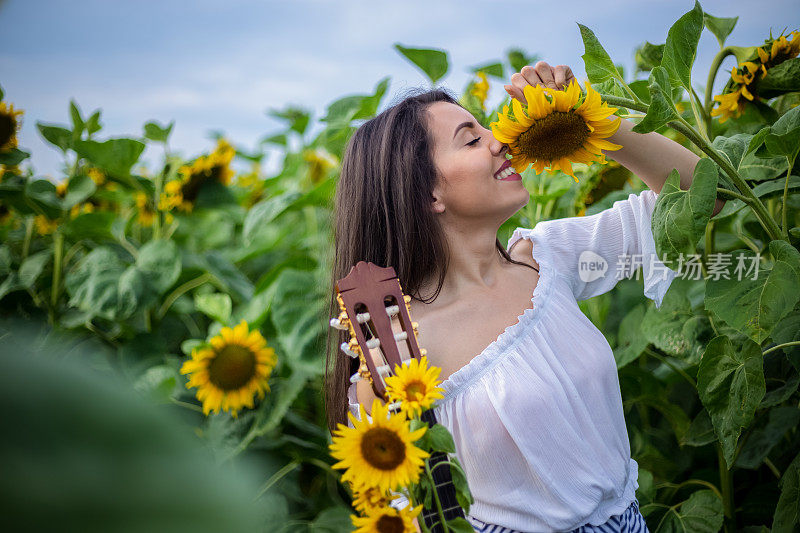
[(433, 62), (786, 513), (701, 513), (59, 137), (780, 79), (753, 304), (783, 138), (598, 64), (731, 383), (681, 46), (719, 26), (114, 156), (648, 56), (157, 133), (661, 109), (680, 216)]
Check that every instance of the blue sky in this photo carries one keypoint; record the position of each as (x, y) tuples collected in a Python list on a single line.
[(221, 65)]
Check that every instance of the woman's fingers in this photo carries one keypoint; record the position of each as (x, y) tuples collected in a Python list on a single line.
[(518, 83), (543, 72), (560, 76)]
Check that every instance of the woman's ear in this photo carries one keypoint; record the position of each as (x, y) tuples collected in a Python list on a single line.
[(436, 200)]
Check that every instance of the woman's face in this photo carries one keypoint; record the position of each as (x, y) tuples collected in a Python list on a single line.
[(468, 158)]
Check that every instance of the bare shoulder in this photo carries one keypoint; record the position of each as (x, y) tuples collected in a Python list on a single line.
[(522, 251)]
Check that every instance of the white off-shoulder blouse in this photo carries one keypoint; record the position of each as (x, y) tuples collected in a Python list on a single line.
[(537, 416)]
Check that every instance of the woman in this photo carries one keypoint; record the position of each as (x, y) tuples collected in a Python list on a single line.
[(537, 414)]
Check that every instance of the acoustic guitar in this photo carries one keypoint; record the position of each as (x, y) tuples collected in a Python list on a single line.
[(369, 298)]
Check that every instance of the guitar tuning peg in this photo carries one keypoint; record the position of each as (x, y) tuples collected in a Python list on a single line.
[(423, 352), (355, 378), (362, 318), (406, 298), (373, 343), (337, 323), (401, 336), (392, 310), (346, 349), (415, 325)]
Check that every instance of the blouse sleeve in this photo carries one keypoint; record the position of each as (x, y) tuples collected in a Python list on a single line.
[(594, 252), (352, 400)]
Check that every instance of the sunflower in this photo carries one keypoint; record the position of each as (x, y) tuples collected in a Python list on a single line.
[(182, 193), (552, 133), (44, 226), (380, 452), (145, 213), (366, 498), (387, 520), (745, 77), (9, 126), (227, 372), (320, 161), (480, 89), (414, 386), (77, 209)]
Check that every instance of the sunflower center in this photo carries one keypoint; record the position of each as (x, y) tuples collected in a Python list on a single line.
[(383, 448), (554, 136), (232, 368), (8, 126), (390, 524), (415, 390)]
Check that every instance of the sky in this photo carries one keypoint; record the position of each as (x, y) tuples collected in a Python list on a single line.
[(222, 65)]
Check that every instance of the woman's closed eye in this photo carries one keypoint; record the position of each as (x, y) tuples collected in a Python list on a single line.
[(472, 143)]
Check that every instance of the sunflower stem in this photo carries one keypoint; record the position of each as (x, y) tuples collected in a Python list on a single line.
[(58, 253), (680, 125), (180, 291), (784, 218), (712, 75), (26, 244), (439, 511)]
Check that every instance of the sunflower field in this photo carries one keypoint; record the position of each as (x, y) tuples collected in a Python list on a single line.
[(199, 288)]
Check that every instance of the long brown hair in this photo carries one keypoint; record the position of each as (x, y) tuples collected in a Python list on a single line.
[(383, 215)]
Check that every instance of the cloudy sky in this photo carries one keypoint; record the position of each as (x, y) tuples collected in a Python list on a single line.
[(221, 65)]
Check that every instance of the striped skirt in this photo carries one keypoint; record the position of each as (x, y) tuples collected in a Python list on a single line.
[(630, 521)]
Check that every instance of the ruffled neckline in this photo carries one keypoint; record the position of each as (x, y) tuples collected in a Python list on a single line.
[(492, 354)]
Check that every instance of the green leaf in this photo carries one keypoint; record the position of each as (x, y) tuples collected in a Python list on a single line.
[(731, 384), (598, 64), (344, 110), (332, 520), (77, 121), (296, 309), (265, 212), (755, 306), (783, 138), (701, 431), (675, 328), (33, 266), (12, 157), (160, 262), (463, 494), (631, 342), (157, 383), (780, 79), (681, 46), (438, 439), (79, 188), (720, 27), (787, 513), (661, 109), (680, 216), (94, 285), (757, 139), (491, 69), (156, 132), (648, 56), (216, 305), (93, 124), (41, 196), (434, 63), (296, 118), (734, 148), (518, 58), (228, 276), (762, 440), (460, 525), (114, 156), (58, 136), (701, 513), (640, 88), (96, 226)]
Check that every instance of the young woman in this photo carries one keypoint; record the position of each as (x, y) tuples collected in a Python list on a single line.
[(532, 396)]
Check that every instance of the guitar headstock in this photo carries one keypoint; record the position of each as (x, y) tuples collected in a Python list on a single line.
[(369, 297)]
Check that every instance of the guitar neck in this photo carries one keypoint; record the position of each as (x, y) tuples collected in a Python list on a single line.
[(442, 484)]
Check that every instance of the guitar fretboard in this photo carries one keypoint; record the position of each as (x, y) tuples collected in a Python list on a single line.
[(443, 485)]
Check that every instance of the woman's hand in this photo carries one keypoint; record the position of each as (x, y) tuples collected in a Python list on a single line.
[(540, 74)]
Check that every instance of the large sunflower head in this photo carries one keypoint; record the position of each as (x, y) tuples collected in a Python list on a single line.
[(9, 126), (414, 386), (378, 452), (552, 132), (387, 520), (234, 366)]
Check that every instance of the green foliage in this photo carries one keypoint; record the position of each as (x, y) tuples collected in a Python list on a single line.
[(433, 63)]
